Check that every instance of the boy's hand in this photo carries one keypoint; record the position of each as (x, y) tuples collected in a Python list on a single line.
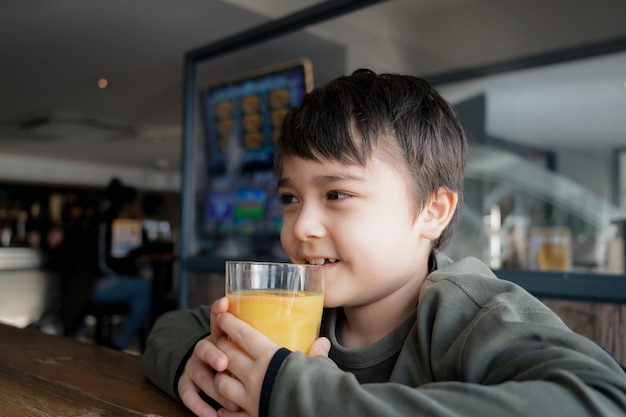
[(201, 367), (321, 347), (247, 369)]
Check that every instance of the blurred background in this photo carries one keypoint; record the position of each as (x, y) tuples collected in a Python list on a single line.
[(91, 91)]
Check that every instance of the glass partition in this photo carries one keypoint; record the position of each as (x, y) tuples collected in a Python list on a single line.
[(543, 184), (546, 176), (544, 195)]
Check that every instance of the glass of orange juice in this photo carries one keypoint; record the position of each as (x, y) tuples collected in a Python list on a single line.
[(284, 301), (553, 248)]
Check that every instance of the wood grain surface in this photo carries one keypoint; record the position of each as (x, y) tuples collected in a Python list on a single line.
[(601, 322), (49, 375)]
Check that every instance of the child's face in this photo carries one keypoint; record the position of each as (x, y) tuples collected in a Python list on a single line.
[(360, 222)]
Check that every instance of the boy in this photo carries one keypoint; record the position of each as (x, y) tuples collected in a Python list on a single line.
[(370, 171)]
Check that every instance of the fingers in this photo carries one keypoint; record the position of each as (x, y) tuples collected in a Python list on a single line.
[(249, 354), (199, 374), (321, 347), (207, 352), (244, 335), (235, 388), (226, 413), (219, 306), (230, 387), (188, 392)]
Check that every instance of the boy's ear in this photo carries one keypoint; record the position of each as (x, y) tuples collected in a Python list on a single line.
[(437, 213)]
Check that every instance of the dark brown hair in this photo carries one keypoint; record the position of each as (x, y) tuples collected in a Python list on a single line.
[(402, 107)]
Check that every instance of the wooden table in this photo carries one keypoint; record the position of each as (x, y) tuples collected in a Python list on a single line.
[(45, 375)]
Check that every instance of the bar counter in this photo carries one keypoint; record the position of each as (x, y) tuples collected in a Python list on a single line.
[(43, 374)]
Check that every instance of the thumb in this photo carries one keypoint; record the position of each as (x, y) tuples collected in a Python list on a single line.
[(320, 347)]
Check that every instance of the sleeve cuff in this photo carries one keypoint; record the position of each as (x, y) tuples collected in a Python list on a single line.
[(270, 378), (183, 362)]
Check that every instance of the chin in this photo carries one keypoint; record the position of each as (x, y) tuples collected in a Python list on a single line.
[(333, 302)]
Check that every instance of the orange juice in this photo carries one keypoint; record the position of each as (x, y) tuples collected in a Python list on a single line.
[(291, 320), (554, 256), (554, 248)]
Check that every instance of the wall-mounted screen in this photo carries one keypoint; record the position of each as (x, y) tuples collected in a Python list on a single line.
[(241, 213)]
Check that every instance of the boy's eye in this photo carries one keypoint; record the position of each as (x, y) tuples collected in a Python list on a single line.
[(287, 199), (336, 195)]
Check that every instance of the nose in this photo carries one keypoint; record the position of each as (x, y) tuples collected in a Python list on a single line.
[(308, 223)]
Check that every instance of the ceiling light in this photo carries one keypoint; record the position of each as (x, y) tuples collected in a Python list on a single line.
[(103, 83)]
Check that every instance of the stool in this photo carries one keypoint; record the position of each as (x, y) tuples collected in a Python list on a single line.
[(103, 313)]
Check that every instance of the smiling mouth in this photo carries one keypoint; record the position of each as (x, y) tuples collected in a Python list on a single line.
[(321, 261)]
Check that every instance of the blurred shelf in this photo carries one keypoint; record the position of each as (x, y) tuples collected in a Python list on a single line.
[(19, 258)]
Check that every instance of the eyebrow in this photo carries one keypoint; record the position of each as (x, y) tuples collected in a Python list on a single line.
[(324, 180)]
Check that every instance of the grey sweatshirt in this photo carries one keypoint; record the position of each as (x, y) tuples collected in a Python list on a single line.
[(475, 346)]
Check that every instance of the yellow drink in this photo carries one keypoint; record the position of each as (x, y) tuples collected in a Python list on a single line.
[(554, 256), (554, 248), (290, 320)]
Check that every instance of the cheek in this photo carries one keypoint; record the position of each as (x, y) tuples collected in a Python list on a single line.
[(378, 232), (286, 234), (391, 239)]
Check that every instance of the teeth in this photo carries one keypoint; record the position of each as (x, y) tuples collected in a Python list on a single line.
[(321, 261)]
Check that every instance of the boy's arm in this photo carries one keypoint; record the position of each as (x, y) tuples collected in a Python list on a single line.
[(170, 344), (574, 379), (480, 347)]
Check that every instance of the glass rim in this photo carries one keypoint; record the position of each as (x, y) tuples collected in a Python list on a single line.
[(270, 263)]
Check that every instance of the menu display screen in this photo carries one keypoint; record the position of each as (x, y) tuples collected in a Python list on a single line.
[(242, 118)]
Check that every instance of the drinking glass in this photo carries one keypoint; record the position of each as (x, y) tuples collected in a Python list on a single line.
[(284, 301), (554, 248)]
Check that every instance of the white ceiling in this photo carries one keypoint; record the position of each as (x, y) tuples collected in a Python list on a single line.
[(577, 106), (53, 53)]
